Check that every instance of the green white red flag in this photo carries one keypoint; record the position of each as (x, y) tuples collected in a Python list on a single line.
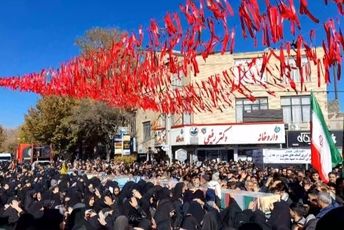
[(325, 155)]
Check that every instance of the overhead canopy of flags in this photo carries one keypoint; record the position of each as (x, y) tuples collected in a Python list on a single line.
[(134, 73)]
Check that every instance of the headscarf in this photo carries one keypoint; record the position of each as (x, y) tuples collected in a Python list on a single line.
[(121, 223), (177, 191)]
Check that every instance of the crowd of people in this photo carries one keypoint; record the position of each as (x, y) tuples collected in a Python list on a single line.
[(82, 195)]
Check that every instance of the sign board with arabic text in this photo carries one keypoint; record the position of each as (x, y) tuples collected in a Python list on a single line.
[(118, 144), (269, 133), (303, 138), (126, 145), (286, 156), (181, 155)]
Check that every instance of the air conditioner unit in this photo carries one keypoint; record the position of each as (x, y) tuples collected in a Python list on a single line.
[(294, 127), (304, 126), (299, 126)]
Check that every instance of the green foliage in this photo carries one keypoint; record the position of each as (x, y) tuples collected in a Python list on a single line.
[(78, 125), (95, 122), (47, 123), (69, 125), (11, 141)]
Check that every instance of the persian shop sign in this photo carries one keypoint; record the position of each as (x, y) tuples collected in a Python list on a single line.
[(282, 156), (303, 138), (229, 134)]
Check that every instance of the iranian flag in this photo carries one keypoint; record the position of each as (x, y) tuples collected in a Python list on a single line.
[(325, 155)]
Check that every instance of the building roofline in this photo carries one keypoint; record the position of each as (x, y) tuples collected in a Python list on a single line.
[(221, 124), (259, 52)]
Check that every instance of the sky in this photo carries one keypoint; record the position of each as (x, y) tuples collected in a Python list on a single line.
[(37, 34)]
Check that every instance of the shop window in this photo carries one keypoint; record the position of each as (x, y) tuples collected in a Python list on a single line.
[(215, 154), (245, 105), (296, 109), (201, 155)]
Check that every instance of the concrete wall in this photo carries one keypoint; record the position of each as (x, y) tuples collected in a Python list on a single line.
[(141, 117)]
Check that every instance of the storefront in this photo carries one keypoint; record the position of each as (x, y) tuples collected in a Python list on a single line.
[(302, 139), (215, 153), (297, 150), (225, 142)]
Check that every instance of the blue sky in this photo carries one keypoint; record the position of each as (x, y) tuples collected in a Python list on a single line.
[(36, 34)]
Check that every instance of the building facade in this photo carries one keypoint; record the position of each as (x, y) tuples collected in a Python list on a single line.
[(245, 130)]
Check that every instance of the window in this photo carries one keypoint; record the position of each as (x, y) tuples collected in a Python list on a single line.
[(296, 109), (186, 118), (248, 75), (242, 105), (177, 81), (146, 131), (295, 73)]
